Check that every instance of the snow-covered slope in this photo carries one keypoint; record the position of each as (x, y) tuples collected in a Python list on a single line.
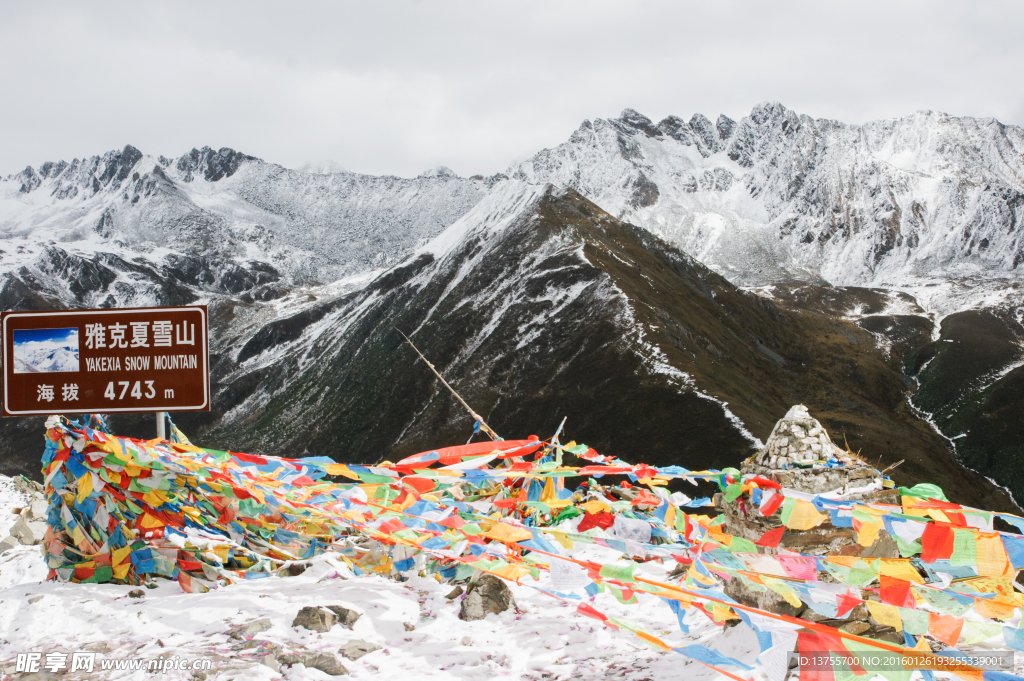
[(45, 357), (525, 298), (780, 196), (537, 305), (415, 631), (219, 220)]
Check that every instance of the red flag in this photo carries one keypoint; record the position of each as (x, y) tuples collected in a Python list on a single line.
[(602, 520), (895, 592), (936, 542), (421, 485), (771, 538), (946, 628), (771, 503), (588, 611), (847, 602)]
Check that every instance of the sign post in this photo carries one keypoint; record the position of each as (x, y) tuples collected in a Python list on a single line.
[(106, 361)]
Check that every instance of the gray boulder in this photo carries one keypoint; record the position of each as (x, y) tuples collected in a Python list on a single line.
[(487, 594), (8, 543), (27, 531), (346, 617), (328, 663), (29, 488), (37, 509), (250, 628), (315, 618), (353, 650)]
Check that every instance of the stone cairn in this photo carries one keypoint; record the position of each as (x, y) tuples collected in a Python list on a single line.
[(798, 440), (800, 455)]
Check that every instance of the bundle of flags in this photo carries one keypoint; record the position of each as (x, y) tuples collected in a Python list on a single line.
[(129, 511)]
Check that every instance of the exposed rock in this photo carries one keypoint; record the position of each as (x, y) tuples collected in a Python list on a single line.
[(28, 531), (8, 543), (455, 593), (315, 618), (37, 509), (855, 627), (328, 663), (136, 593), (884, 547), (29, 488), (250, 628), (35, 599), (801, 439), (355, 649), (409, 626), (296, 569), (763, 600), (346, 617), (271, 661), (487, 594), (800, 455)]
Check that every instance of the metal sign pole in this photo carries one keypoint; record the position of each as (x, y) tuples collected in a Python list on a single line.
[(161, 425)]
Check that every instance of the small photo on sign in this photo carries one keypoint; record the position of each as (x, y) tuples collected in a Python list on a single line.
[(45, 351)]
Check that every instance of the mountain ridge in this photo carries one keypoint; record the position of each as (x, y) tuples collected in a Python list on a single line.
[(280, 254)]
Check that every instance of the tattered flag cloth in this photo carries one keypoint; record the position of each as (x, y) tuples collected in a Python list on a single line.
[(124, 510)]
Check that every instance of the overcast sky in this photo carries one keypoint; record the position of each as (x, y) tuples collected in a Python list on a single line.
[(399, 87)]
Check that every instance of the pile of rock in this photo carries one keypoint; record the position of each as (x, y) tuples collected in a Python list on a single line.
[(30, 526), (800, 455), (798, 439)]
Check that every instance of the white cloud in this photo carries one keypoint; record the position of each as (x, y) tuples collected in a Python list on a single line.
[(398, 87)]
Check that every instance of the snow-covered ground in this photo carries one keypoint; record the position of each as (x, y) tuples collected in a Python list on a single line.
[(416, 626)]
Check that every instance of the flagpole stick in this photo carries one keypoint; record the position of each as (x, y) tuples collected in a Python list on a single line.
[(483, 424)]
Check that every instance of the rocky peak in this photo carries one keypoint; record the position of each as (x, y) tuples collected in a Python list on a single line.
[(725, 127), (704, 131), (115, 166), (211, 165), (635, 119), (439, 171), (29, 179)]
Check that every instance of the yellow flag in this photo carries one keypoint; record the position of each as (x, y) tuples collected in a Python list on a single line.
[(117, 556), (900, 568), (84, 487), (886, 615), (504, 532), (868, 532), (149, 522), (594, 506), (563, 540), (805, 516), (991, 556)]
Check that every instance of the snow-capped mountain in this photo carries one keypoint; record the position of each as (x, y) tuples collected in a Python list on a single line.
[(538, 302), (537, 305), (99, 231), (779, 196), (45, 357)]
